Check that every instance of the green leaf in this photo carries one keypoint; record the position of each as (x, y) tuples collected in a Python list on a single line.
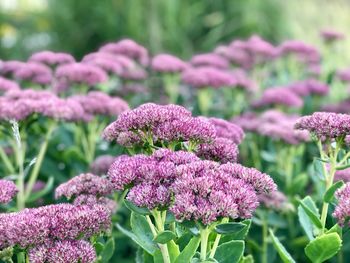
[(170, 218), (108, 250), (164, 237), (318, 168), (47, 189), (189, 251), (335, 229), (98, 247), (230, 252), (136, 209), (323, 247), (229, 228), (328, 196), (239, 235), (174, 250), (304, 219), (282, 252), (141, 234), (314, 218)]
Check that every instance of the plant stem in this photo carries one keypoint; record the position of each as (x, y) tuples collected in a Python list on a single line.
[(329, 182), (264, 240), (6, 161), (34, 175), (158, 218), (217, 240), (204, 242)]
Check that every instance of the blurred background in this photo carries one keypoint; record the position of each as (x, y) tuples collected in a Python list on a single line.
[(181, 27)]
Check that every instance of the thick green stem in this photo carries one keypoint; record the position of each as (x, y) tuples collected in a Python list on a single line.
[(159, 218), (204, 242), (217, 241), (36, 169)]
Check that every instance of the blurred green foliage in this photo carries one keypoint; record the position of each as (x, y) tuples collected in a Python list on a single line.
[(181, 27)]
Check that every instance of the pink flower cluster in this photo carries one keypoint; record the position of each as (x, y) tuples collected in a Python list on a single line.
[(325, 124), (73, 251), (342, 210), (19, 104), (7, 191), (84, 184), (78, 73), (129, 48), (36, 226), (159, 124), (101, 164), (51, 58), (274, 124), (189, 187), (206, 191), (99, 103), (309, 87), (166, 63)]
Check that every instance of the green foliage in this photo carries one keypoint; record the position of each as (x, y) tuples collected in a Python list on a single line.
[(282, 252), (230, 252), (323, 247), (309, 216)]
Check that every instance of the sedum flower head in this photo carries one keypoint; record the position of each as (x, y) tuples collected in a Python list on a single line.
[(51, 58), (202, 192), (34, 72), (129, 48), (6, 85), (204, 77), (8, 190), (325, 124), (166, 63), (228, 130), (92, 200), (279, 96), (73, 251), (309, 87), (84, 184), (160, 124), (342, 210), (101, 164), (210, 59), (221, 150)]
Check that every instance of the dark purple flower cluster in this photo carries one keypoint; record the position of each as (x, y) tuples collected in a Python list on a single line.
[(157, 123), (7, 191), (84, 184), (36, 226), (325, 124), (73, 251), (279, 96), (342, 210), (51, 58), (166, 63)]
